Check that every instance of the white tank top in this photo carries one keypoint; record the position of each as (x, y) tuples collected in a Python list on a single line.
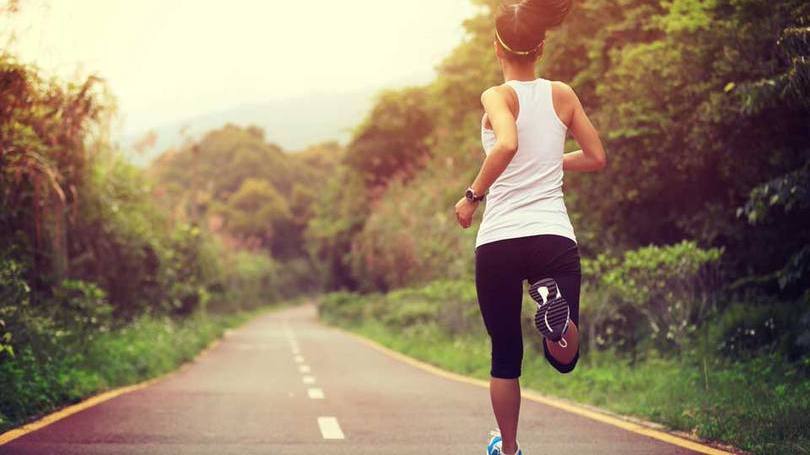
[(527, 199)]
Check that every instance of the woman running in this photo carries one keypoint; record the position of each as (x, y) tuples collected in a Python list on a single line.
[(526, 233)]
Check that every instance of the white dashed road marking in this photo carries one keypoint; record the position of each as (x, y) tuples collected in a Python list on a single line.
[(315, 393), (330, 428)]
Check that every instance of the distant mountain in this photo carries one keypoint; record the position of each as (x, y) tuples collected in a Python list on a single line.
[(293, 124)]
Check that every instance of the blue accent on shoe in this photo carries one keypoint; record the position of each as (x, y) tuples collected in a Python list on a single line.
[(494, 447)]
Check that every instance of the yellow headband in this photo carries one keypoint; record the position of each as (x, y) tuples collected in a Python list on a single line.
[(500, 40)]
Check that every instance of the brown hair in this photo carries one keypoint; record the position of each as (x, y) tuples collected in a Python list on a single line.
[(521, 26)]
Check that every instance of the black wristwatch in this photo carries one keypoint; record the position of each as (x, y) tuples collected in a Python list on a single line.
[(472, 197)]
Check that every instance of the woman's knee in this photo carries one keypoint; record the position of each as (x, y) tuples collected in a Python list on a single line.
[(507, 357)]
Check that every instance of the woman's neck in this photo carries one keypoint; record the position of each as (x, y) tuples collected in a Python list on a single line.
[(518, 71)]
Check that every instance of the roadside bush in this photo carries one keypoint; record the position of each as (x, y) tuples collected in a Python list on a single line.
[(672, 289), (342, 308), (14, 295), (249, 280), (296, 277), (191, 269), (449, 305), (119, 240), (82, 307), (609, 324), (26, 326), (764, 327)]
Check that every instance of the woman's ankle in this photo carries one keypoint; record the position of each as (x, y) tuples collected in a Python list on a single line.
[(509, 449)]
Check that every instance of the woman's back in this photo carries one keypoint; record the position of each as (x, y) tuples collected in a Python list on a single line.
[(527, 198)]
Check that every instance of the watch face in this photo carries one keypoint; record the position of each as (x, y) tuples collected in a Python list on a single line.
[(469, 194)]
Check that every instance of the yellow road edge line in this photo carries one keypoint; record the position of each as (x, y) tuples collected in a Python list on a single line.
[(87, 403), (553, 402)]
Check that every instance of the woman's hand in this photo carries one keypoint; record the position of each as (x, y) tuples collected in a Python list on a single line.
[(465, 209)]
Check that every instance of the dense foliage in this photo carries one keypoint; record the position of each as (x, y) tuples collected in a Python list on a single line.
[(249, 192), (89, 262)]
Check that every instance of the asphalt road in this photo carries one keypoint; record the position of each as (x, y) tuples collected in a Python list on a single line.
[(283, 384)]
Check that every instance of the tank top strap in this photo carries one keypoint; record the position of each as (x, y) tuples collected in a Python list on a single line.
[(524, 97), (535, 101), (533, 98)]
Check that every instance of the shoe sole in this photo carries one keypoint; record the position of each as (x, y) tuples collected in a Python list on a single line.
[(553, 312)]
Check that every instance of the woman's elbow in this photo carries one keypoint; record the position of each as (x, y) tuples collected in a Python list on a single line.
[(509, 146), (597, 158), (600, 162)]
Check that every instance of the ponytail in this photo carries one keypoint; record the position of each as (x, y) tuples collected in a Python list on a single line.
[(521, 27), (547, 13)]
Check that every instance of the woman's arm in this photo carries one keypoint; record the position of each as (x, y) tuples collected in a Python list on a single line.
[(502, 119), (500, 114), (592, 156)]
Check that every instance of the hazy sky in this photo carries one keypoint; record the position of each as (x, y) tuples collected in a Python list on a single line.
[(168, 60)]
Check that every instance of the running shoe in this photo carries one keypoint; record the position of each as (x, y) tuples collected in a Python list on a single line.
[(495, 444), (553, 312)]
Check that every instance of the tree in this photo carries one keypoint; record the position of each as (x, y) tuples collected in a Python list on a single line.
[(255, 212), (391, 142)]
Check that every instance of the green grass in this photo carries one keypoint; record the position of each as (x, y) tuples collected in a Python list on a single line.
[(759, 405), (33, 382)]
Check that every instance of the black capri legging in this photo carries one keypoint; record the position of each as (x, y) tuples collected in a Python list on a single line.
[(500, 268)]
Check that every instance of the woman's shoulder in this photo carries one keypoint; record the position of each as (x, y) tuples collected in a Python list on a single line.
[(501, 93), (564, 99), (502, 90), (563, 90)]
